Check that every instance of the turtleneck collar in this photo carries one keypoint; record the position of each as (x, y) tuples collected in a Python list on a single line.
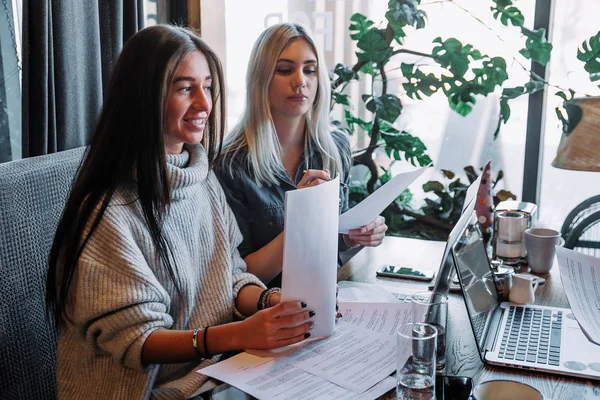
[(186, 169)]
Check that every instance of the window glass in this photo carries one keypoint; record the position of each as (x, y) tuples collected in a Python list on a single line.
[(453, 141), (10, 80), (562, 190)]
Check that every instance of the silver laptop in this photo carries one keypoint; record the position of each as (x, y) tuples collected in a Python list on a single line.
[(529, 337)]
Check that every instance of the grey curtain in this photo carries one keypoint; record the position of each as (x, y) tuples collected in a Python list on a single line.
[(69, 49)]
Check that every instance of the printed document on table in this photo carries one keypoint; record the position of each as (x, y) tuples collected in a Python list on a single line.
[(310, 251), (580, 275), (352, 357), (382, 318), (366, 211), (269, 378)]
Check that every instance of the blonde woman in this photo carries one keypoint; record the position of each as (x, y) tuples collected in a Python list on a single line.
[(284, 142)]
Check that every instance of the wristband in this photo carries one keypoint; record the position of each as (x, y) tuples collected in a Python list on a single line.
[(195, 340), (263, 299)]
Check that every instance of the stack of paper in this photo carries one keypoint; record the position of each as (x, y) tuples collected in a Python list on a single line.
[(353, 363)]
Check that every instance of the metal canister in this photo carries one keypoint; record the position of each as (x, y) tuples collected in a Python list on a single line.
[(503, 280)]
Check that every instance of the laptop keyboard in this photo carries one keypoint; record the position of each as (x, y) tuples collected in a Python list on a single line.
[(404, 298), (532, 335)]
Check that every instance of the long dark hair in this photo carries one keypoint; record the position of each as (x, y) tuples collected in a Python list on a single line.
[(127, 148)]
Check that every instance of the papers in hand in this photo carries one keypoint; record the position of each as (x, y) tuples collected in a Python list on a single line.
[(310, 244), (580, 275), (368, 209), (353, 363)]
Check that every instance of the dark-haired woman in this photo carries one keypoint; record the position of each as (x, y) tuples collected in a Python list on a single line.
[(144, 277)]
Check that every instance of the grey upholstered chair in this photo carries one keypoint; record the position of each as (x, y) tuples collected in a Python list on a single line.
[(33, 192)]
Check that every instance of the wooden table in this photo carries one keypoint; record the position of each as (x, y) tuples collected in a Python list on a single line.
[(462, 356)]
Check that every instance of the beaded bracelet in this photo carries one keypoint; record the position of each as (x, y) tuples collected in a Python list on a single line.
[(263, 299)]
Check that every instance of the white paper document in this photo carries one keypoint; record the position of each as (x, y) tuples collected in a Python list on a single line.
[(352, 357), (382, 318), (580, 275), (365, 292), (366, 211), (310, 246), (268, 378)]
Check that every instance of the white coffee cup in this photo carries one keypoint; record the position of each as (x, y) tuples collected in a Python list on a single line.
[(505, 390), (540, 244)]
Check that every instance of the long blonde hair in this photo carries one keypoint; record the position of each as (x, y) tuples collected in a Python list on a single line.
[(256, 130)]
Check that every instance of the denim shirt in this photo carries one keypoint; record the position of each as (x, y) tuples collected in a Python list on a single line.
[(260, 210)]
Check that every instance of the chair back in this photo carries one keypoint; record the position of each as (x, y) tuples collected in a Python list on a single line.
[(33, 193), (581, 229)]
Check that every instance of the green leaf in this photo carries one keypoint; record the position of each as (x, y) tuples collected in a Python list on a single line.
[(589, 53), (375, 48), (491, 74), (451, 54), (461, 98), (403, 142), (339, 98), (569, 113), (344, 73), (419, 84), (360, 26), (387, 107), (537, 48), (506, 12), (351, 120), (402, 13)]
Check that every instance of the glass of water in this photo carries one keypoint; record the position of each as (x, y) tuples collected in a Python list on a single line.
[(415, 361), (432, 308)]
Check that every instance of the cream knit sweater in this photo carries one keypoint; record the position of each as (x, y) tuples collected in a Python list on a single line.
[(120, 293)]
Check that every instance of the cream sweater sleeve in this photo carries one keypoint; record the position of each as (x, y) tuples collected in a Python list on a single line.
[(118, 301)]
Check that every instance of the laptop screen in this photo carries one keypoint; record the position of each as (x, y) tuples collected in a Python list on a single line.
[(476, 278)]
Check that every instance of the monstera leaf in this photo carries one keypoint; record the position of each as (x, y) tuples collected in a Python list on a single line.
[(374, 47), (387, 107), (344, 73), (512, 93), (461, 97), (589, 53), (491, 74), (537, 47), (570, 113), (419, 84), (451, 54), (506, 12), (360, 26), (402, 13), (351, 120), (403, 142)]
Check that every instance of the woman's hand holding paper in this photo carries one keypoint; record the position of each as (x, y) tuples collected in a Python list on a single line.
[(278, 326), (371, 234)]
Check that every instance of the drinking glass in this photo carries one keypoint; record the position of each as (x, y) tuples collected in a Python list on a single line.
[(432, 308), (415, 361)]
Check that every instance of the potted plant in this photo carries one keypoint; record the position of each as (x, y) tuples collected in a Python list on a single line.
[(465, 74)]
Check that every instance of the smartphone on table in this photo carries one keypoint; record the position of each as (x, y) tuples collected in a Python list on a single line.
[(392, 271)]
